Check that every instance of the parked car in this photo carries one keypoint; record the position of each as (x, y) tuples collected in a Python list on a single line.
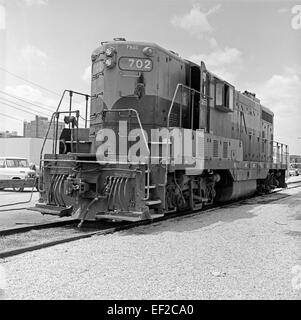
[(13, 168), (293, 171)]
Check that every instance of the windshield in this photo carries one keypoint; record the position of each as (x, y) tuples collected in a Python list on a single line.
[(17, 163)]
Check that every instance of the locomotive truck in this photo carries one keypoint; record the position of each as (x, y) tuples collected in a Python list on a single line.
[(164, 135)]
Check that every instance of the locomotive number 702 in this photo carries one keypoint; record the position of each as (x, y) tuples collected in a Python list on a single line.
[(135, 64)]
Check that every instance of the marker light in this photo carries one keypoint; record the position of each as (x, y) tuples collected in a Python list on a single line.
[(109, 63), (148, 51), (110, 51)]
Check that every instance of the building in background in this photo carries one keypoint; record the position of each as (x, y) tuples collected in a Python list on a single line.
[(38, 128), (29, 148), (8, 134)]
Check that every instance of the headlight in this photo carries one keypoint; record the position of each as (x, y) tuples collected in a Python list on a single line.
[(109, 63), (110, 51)]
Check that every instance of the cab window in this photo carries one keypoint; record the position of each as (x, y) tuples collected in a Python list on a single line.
[(224, 96), (2, 163), (219, 94)]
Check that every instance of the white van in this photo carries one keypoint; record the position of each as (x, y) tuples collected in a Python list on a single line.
[(15, 168)]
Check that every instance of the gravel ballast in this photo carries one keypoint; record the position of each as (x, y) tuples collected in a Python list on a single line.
[(239, 252)]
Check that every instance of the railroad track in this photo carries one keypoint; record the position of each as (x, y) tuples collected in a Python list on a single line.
[(40, 226), (30, 238)]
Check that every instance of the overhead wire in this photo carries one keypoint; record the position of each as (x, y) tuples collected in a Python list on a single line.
[(11, 117), (26, 80), (40, 105), (32, 111)]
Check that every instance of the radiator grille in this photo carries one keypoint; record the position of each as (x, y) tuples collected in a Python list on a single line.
[(215, 148), (225, 150), (174, 120)]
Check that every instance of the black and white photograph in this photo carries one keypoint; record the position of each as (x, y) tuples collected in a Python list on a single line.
[(150, 150)]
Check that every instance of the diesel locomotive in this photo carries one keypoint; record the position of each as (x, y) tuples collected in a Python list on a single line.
[(164, 135)]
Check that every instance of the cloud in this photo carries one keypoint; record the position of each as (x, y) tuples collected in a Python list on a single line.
[(226, 63), (87, 74), (220, 57), (196, 21), (212, 42), (282, 94), (32, 54), (35, 2)]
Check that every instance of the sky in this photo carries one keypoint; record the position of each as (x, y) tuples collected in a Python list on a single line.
[(255, 45)]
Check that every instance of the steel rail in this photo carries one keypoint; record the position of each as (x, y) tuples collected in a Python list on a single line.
[(18, 230), (125, 226)]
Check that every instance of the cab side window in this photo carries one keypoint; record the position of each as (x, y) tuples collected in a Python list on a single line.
[(219, 95), (224, 96)]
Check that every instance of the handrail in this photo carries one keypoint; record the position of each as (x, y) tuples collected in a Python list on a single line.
[(283, 154), (145, 141), (50, 123), (174, 98), (179, 85), (139, 122), (45, 139)]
